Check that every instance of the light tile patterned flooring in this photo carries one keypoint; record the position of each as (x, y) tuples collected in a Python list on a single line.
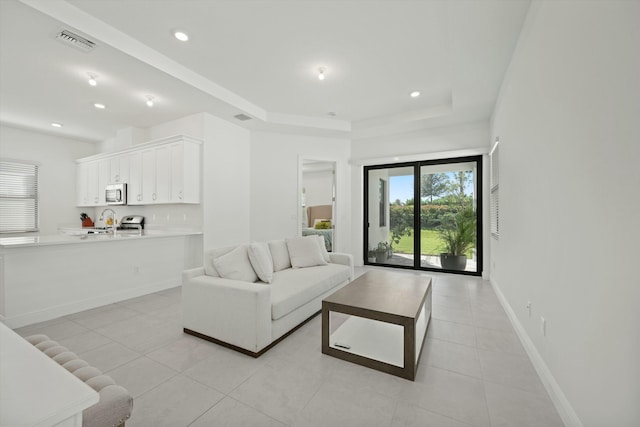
[(473, 371)]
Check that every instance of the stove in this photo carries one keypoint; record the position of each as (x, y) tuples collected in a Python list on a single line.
[(132, 222)]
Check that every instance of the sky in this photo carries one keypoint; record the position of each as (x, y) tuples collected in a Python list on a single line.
[(401, 187)]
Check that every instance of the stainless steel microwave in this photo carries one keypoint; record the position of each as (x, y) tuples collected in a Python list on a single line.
[(116, 194)]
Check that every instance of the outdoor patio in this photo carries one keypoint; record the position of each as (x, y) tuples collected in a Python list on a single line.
[(427, 261)]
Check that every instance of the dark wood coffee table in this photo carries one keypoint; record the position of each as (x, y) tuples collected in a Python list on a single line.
[(379, 321)]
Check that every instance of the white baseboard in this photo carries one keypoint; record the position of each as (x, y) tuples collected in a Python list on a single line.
[(50, 313), (564, 408)]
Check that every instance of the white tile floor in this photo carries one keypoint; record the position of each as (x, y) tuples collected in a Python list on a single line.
[(473, 370)]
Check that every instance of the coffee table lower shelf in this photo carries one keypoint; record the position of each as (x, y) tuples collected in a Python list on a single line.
[(383, 341)]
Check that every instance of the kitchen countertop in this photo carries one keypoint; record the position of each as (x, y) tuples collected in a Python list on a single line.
[(69, 239)]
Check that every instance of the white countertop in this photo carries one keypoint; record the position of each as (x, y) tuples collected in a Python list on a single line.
[(35, 390), (68, 239)]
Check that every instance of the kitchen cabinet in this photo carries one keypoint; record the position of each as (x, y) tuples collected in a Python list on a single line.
[(103, 179), (87, 184), (119, 169), (185, 172), (82, 186), (148, 173), (134, 187), (162, 191), (157, 172)]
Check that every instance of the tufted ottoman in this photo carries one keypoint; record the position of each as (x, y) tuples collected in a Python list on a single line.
[(115, 404)]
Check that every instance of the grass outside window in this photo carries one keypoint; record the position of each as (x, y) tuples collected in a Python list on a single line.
[(430, 243)]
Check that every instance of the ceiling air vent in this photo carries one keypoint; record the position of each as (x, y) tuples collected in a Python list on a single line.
[(74, 40), (242, 117)]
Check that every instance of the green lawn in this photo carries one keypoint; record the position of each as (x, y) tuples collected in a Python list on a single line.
[(429, 240)]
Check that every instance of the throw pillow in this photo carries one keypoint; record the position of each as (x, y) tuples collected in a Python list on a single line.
[(280, 255), (323, 248), (235, 265), (212, 254), (261, 261), (320, 224), (305, 252)]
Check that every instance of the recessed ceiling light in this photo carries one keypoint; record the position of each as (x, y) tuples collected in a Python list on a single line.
[(56, 125), (415, 94), (181, 35), (92, 79), (149, 101), (100, 106), (321, 75)]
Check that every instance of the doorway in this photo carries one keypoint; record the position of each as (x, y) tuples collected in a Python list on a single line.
[(425, 215), (317, 196)]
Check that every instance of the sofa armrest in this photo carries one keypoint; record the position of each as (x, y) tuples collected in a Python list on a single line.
[(190, 274), (344, 259), (232, 311)]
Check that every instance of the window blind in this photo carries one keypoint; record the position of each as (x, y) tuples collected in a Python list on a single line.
[(495, 192), (18, 197)]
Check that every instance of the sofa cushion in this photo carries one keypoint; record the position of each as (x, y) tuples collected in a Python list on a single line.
[(235, 265), (305, 252), (292, 288), (279, 255), (323, 249), (212, 254), (261, 261)]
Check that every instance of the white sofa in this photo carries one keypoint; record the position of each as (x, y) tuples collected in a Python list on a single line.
[(231, 302)]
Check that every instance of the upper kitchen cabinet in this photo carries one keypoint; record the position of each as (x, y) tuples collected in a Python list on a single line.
[(88, 182), (134, 186), (157, 172), (185, 172), (119, 169)]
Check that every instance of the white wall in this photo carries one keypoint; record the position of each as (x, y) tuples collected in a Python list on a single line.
[(192, 126), (569, 134), (437, 143), (318, 187), (274, 184), (57, 174), (377, 233), (226, 174)]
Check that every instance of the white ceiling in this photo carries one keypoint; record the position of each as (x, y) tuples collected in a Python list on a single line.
[(259, 58)]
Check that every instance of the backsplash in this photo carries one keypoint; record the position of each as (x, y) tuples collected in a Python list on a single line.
[(169, 216)]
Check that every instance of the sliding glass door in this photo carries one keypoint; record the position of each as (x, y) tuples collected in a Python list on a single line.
[(425, 215)]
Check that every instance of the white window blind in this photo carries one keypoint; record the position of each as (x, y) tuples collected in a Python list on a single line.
[(495, 192), (18, 197)]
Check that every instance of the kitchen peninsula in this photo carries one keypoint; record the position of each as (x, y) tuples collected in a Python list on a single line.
[(44, 277)]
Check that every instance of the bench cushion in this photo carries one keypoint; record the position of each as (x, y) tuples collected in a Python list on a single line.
[(292, 288), (115, 404)]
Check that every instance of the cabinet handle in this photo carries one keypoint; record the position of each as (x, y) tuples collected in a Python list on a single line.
[(139, 197), (180, 194), (154, 196), (117, 178)]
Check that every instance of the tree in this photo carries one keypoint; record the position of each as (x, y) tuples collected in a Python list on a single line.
[(433, 185), (457, 186), (401, 222)]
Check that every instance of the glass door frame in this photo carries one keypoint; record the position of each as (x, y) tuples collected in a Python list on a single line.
[(417, 165)]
